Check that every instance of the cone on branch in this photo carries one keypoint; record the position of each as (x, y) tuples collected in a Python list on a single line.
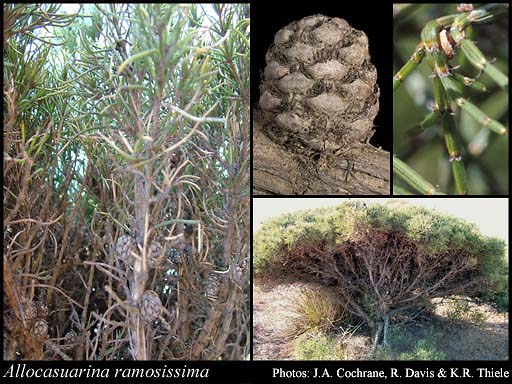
[(318, 100), (41, 309), (125, 248), (30, 311), (213, 284), (70, 338), (40, 329), (174, 256), (150, 307), (156, 255), (239, 271)]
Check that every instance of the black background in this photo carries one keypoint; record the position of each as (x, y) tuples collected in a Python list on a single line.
[(242, 372), (371, 17)]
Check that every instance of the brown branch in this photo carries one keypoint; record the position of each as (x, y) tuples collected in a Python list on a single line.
[(277, 171)]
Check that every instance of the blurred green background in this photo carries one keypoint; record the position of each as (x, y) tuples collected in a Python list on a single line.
[(485, 153)]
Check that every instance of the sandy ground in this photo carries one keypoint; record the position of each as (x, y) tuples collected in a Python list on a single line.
[(271, 313), (464, 340)]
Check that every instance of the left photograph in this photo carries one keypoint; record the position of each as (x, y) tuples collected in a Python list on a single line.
[(126, 182)]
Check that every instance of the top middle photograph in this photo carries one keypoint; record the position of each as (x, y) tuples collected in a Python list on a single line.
[(320, 116)]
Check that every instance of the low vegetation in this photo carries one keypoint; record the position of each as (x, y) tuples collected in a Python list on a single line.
[(318, 346), (316, 309)]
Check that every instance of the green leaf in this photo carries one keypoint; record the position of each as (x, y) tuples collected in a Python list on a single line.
[(137, 56)]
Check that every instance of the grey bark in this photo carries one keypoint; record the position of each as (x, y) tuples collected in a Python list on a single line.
[(277, 171)]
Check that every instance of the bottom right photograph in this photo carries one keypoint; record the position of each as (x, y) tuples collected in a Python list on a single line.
[(380, 279)]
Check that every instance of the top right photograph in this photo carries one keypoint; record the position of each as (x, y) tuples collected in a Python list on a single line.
[(450, 99)]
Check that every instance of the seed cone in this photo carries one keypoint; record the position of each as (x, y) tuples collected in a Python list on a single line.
[(150, 306), (70, 338), (212, 287), (41, 309), (239, 271), (319, 91), (156, 255), (40, 329), (174, 255), (30, 311), (124, 247)]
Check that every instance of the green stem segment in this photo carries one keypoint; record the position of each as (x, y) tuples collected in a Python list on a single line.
[(470, 108), (429, 120), (470, 50), (478, 60), (398, 190), (469, 82), (452, 144), (409, 67), (454, 153), (413, 178)]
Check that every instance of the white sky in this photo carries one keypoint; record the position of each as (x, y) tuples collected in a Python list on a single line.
[(490, 215)]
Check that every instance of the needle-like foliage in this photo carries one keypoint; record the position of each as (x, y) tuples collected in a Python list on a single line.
[(461, 93), (126, 170)]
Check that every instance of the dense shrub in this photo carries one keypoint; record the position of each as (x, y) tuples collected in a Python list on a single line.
[(126, 181), (382, 259)]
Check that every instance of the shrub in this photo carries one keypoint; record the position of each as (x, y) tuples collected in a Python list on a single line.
[(502, 301), (461, 309), (382, 259)]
